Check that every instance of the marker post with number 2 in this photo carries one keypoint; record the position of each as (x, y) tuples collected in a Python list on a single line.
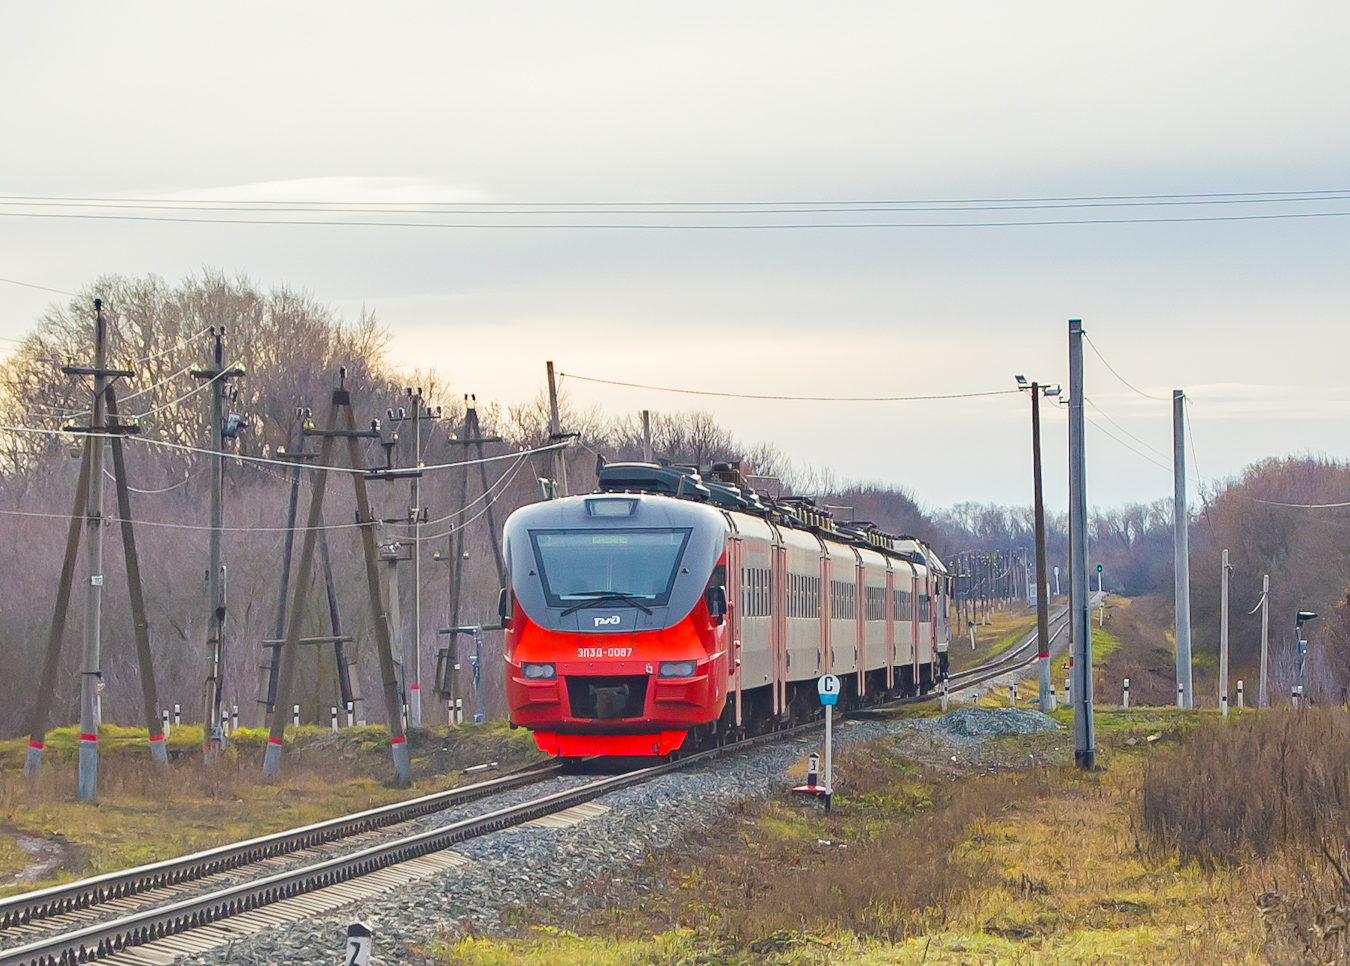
[(828, 686), (359, 942)]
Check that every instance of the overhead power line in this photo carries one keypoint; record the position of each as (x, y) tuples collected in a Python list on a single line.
[(1123, 380), (41, 288), (744, 395)]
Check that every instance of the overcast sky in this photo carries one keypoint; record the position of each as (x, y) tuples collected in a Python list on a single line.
[(704, 102)]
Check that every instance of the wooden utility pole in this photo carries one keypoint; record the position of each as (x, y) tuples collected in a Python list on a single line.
[(103, 425), (555, 435), (1047, 689), (349, 686), (341, 403), (646, 436)]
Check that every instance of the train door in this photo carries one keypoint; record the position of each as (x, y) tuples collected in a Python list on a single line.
[(890, 625)]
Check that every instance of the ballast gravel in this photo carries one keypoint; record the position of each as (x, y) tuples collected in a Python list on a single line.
[(528, 865)]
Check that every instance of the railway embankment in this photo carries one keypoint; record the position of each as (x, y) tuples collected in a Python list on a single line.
[(955, 848)]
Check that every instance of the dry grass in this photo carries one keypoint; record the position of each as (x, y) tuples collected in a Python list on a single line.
[(1050, 866), (145, 813)]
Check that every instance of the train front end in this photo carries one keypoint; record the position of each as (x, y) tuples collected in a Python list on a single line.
[(616, 640)]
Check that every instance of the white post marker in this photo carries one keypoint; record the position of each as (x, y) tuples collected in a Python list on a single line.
[(1181, 695), (350, 714), (335, 727), (360, 941), (1241, 703), (234, 718), (971, 628), (177, 715), (1125, 698), (828, 686), (295, 715), (165, 719)]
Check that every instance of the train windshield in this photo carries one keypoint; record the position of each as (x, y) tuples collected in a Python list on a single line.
[(639, 564)]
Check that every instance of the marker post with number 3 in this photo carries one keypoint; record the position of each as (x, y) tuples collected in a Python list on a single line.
[(828, 686)]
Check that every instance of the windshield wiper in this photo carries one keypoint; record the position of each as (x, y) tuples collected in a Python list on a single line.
[(605, 597)]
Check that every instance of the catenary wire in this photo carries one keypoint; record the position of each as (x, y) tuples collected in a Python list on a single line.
[(271, 462), (742, 395)]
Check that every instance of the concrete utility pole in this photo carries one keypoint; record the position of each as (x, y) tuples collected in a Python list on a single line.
[(1047, 688), (646, 436), (92, 674), (555, 435), (1181, 548), (1081, 614), (1223, 638), (1262, 701), (416, 516), (212, 733)]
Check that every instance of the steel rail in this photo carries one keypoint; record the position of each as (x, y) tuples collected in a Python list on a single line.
[(29, 907), (98, 940)]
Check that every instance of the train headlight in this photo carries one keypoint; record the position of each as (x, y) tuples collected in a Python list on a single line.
[(676, 669), (539, 672)]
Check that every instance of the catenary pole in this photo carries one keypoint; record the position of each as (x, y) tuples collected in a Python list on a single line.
[(1223, 638), (1181, 549), (1042, 605), (1261, 699), (1081, 615), (555, 434), (93, 601)]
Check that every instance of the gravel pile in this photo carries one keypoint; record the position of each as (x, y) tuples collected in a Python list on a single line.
[(987, 722)]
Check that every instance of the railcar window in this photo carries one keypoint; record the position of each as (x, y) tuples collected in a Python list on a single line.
[(636, 563), (755, 598), (925, 608), (904, 605), (803, 596), (876, 603), (841, 600)]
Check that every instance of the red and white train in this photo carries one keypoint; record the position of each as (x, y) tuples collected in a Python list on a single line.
[(668, 611)]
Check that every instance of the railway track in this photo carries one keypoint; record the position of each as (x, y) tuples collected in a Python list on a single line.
[(83, 942), (52, 926)]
